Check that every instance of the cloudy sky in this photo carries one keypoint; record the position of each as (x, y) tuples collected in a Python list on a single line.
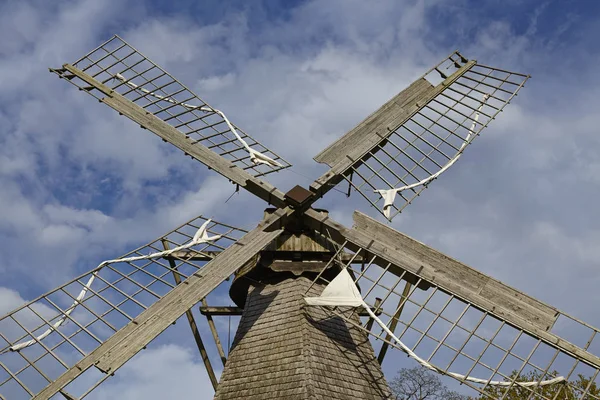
[(79, 184)]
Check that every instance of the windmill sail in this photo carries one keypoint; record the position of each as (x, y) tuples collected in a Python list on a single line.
[(461, 323), (126, 80), (47, 337), (397, 151)]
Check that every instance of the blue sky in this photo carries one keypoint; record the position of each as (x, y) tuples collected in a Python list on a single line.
[(80, 185)]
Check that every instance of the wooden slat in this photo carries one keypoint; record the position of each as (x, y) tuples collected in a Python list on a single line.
[(192, 255), (220, 310), (442, 268), (397, 105), (127, 342), (201, 153), (500, 300), (354, 145)]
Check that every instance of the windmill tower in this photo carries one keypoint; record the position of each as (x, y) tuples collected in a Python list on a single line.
[(322, 305)]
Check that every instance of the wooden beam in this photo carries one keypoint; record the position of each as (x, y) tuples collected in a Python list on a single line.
[(201, 153), (64, 394), (192, 322), (376, 310), (132, 338), (483, 292), (376, 128), (237, 311), (458, 277), (193, 255), (215, 333), (394, 323), (221, 310)]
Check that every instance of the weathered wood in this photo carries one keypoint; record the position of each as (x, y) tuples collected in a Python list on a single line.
[(201, 153), (128, 341), (215, 333), (192, 255), (377, 127), (394, 323), (376, 310), (192, 322), (221, 310), (456, 274), (285, 350), (237, 311), (347, 143), (520, 311)]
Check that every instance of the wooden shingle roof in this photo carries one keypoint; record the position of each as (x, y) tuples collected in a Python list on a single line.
[(284, 349)]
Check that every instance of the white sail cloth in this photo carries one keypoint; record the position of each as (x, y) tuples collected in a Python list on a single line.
[(201, 236), (389, 195), (255, 156), (342, 291)]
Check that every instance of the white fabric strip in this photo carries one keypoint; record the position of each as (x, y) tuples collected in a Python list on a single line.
[(342, 291), (201, 236), (389, 195), (255, 156)]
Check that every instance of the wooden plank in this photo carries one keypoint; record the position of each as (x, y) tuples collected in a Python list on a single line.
[(220, 310), (201, 153), (125, 343), (345, 145), (394, 323), (456, 274), (237, 311), (449, 274), (215, 333), (192, 255), (193, 326), (376, 128)]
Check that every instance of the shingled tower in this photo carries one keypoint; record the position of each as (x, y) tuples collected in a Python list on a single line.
[(286, 350)]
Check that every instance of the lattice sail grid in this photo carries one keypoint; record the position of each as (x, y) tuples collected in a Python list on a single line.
[(456, 338), (408, 159), (122, 68), (44, 338)]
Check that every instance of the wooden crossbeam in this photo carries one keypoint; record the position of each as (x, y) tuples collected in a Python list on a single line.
[(237, 311), (194, 255)]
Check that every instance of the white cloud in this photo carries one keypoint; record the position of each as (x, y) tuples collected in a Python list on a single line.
[(167, 372), (9, 300)]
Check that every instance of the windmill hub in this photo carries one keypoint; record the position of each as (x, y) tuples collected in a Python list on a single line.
[(298, 197)]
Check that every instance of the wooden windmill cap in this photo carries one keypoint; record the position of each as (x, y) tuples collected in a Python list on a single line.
[(297, 251)]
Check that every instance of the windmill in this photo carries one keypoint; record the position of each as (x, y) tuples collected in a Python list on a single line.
[(316, 299)]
